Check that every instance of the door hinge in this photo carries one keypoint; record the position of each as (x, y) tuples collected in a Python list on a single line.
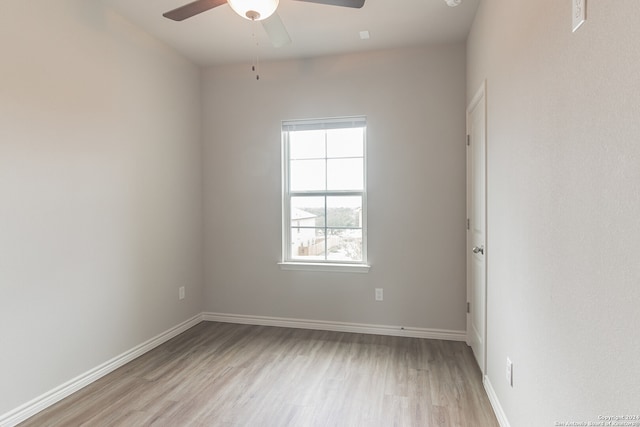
[(468, 224), (468, 307), (468, 139)]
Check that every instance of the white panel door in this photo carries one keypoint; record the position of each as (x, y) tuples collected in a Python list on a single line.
[(476, 234)]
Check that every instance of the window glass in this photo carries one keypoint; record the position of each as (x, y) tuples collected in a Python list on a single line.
[(324, 196)]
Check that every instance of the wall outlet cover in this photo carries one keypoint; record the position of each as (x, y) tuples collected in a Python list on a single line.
[(509, 372)]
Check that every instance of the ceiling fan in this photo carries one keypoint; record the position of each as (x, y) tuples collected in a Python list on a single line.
[(254, 10)]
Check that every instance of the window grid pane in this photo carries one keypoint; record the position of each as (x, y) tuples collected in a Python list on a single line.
[(311, 247), (345, 143), (308, 175), (344, 244), (345, 174), (310, 144)]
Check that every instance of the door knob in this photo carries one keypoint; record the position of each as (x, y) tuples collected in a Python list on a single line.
[(478, 250)]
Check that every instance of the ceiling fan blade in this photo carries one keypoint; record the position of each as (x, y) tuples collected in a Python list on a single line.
[(276, 30), (344, 3), (192, 9)]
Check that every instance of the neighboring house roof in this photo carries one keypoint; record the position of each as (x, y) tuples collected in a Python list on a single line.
[(300, 214)]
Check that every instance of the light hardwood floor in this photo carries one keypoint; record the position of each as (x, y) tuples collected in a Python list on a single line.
[(218, 374)]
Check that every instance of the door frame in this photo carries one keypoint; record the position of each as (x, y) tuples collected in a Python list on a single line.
[(479, 97)]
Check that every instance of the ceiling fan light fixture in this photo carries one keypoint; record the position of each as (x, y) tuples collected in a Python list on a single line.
[(254, 10)]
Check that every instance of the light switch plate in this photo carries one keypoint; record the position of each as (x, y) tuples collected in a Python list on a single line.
[(579, 13)]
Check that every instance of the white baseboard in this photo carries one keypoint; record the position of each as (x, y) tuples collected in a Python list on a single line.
[(42, 402), (396, 331), (495, 403)]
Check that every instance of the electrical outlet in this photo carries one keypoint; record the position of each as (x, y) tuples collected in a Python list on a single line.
[(578, 13), (181, 292), (509, 372), (379, 294)]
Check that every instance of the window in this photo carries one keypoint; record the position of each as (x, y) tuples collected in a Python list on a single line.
[(324, 193)]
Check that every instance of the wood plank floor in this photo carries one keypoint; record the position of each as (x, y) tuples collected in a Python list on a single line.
[(218, 374)]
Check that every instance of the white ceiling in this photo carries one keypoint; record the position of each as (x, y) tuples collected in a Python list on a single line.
[(220, 36)]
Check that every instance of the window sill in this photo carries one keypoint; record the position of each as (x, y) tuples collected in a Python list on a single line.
[(333, 268)]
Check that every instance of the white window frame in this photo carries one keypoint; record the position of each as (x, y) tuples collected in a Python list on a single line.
[(287, 261)]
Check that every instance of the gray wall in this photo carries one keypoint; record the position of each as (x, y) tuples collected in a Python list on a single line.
[(563, 205), (100, 192), (414, 100)]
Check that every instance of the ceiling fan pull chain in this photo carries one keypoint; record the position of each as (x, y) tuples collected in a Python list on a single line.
[(256, 59), (255, 66)]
